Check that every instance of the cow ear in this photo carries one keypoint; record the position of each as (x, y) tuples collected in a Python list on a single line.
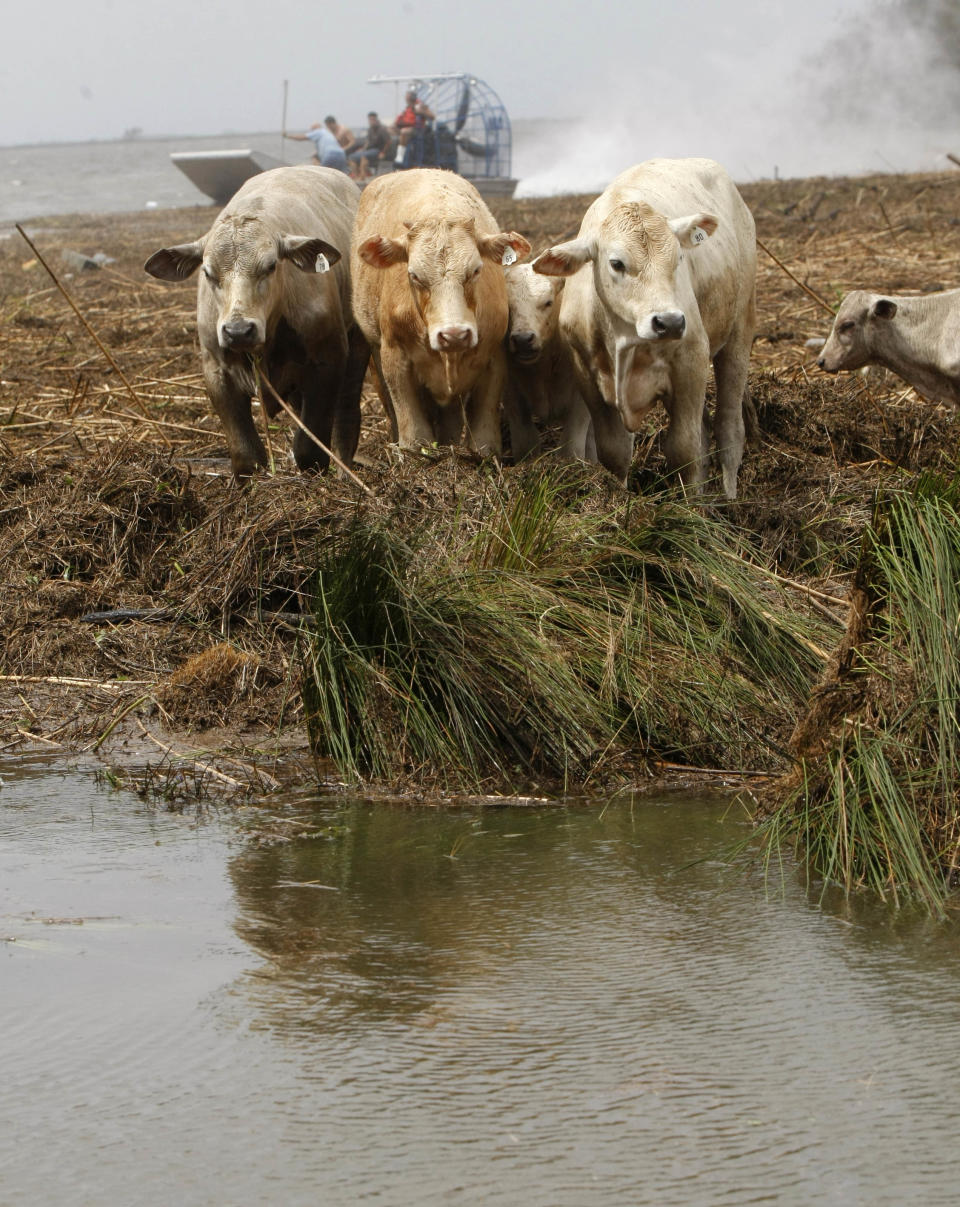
[(564, 259), (883, 308), (694, 229), (382, 252), (308, 254), (504, 247), (175, 263)]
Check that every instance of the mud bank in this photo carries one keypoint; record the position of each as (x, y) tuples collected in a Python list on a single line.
[(153, 613)]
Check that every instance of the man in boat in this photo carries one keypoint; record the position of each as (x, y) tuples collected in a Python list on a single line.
[(343, 134), (409, 123), (326, 150), (374, 147)]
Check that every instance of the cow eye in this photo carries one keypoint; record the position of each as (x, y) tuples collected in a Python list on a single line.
[(548, 303), (211, 275), (846, 326), (618, 266), (267, 269), (415, 279), (474, 272)]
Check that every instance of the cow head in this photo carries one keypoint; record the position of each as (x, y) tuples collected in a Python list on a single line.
[(243, 269), (534, 302), (445, 260), (636, 256), (858, 330)]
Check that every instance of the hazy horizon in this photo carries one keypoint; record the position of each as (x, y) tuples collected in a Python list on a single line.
[(840, 86)]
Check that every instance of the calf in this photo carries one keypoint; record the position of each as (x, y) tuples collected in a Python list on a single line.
[(275, 291), (541, 384), (429, 295), (662, 282), (918, 338)]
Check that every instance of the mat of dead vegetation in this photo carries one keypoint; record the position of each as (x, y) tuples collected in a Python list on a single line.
[(151, 610)]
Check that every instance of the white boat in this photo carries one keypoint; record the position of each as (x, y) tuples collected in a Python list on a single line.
[(219, 174)]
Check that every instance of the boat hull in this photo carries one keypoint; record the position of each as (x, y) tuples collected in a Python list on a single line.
[(219, 174)]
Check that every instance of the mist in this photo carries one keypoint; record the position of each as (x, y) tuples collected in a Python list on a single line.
[(881, 94)]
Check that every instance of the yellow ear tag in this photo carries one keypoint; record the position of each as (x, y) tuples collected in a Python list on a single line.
[(509, 256), (322, 264)]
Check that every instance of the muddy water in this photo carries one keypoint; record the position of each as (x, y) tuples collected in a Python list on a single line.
[(410, 1007)]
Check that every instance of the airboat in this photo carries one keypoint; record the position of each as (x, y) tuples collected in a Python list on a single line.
[(469, 133)]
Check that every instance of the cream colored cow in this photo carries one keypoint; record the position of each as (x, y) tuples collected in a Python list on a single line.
[(917, 337), (429, 294), (541, 386), (662, 282)]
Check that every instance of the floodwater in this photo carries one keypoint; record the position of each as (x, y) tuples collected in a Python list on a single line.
[(137, 173), (546, 1006)]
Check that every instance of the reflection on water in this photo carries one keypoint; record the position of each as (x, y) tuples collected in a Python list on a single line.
[(416, 1007)]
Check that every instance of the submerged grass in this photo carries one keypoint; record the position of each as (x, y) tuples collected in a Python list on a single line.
[(877, 802), (551, 644)]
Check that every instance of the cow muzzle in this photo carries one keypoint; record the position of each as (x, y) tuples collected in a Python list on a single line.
[(240, 335), (457, 337), (668, 324), (524, 346)]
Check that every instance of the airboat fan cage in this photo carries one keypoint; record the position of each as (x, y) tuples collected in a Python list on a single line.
[(471, 131)]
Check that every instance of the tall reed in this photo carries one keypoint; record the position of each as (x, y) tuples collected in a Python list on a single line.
[(876, 805), (549, 641)]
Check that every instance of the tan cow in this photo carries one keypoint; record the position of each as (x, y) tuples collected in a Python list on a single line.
[(662, 282), (541, 386), (917, 337), (429, 295), (275, 291)]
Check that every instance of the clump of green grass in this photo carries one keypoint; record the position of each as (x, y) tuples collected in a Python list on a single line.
[(877, 803), (549, 642)]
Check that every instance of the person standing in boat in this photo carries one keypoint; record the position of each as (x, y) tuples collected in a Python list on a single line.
[(326, 150), (410, 123)]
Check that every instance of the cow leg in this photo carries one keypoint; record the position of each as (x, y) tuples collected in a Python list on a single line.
[(413, 420), (482, 410), (685, 442), (232, 404), (448, 421), (613, 444), (730, 367), (578, 441), (321, 389), (385, 400), (524, 437), (346, 420)]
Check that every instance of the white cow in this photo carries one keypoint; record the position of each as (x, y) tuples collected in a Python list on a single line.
[(662, 282), (275, 291), (918, 338), (541, 386)]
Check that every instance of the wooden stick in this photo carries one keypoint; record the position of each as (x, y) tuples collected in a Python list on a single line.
[(283, 123), (768, 775), (806, 288), (66, 681), (90, 331), (303, 428)]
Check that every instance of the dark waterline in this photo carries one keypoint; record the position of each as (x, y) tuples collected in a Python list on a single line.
[(416, 1007)]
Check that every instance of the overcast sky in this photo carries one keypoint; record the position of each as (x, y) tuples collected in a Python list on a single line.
[(82, 69), (737, 80)]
